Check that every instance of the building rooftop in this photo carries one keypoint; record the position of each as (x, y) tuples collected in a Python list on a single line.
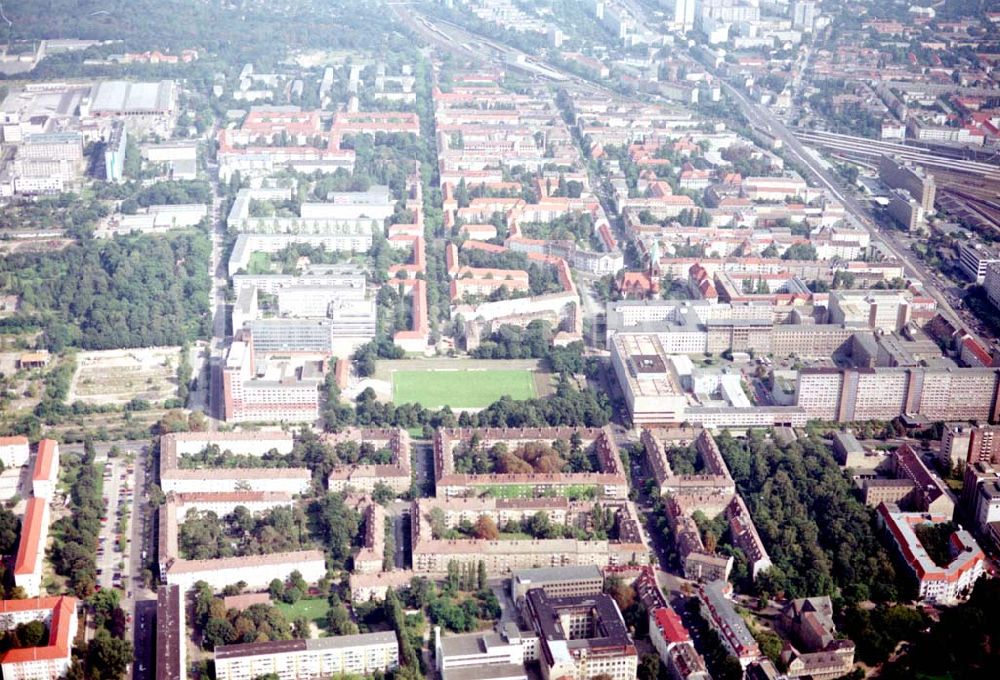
[(544, 575), (313, 644)]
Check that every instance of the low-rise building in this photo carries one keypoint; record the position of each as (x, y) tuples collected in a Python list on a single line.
[(362, 654), (495, 655)]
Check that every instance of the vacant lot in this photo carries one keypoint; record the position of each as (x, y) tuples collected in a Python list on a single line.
[(469, 388), (118, 376)]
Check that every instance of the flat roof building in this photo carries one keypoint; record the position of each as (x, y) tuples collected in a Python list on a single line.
[(557, 581), (581, 637), (171, 642), (362, 654)]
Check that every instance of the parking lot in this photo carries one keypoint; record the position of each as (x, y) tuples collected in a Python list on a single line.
[(118, 496)]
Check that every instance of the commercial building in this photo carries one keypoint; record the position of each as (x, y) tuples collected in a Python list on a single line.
[(557, 581), (906, 211), (913, 180), (494, 655), (171, 634), (14, 451), (581, 637), (650, 383), (256, 387), (362, 654), (939, 584), (31, 546), (132, 100), (46, 661), (974, 259)]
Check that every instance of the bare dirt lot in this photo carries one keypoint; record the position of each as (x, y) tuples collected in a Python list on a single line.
[(118, 376)]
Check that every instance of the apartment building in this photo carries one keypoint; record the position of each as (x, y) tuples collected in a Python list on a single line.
[(362, 478), (46, 661), (724, 620), (746, 538), (885, 393), (31, 546), (991, 282), (610, 481), (14, 451), (432, 555), (171, 634), (818, 652), (362, 654), (179, 480), (935, 584), (45, 474), (964, 443)]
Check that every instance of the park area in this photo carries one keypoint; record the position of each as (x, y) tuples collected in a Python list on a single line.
[(461, 383)]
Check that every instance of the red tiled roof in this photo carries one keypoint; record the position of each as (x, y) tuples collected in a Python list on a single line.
[(31, 533), (670, 625), (45, 460), (19, 440), (63, 609)]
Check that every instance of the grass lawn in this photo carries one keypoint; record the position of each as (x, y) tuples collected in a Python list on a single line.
[(260, 263), (313, 608), (460, 389)]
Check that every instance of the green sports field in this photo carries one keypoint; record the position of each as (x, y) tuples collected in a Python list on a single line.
[(460, 388)]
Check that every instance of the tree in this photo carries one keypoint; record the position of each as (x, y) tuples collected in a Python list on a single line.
[(486, 529), (10, 530), (108, 657), (275, 589), (622, 593), (481, 576), (30, 634)]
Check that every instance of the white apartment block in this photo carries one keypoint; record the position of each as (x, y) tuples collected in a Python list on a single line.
[(31, 546), (362, 654), (14, 451)]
